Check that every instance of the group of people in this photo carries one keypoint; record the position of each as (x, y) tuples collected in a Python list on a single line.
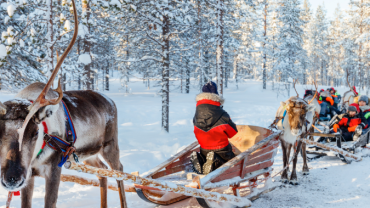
[(213, 126), (356, 121), (351, 123)]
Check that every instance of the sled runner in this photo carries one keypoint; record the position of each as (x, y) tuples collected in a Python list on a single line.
[(254, 147), (326, 143)]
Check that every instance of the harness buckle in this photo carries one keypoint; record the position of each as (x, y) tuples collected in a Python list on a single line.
[(75, 157), (48, 140)]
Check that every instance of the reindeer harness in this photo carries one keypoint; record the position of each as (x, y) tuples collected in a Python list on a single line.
[(65, 147)]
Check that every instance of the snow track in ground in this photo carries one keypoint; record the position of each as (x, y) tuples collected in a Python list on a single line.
[(143, 146)]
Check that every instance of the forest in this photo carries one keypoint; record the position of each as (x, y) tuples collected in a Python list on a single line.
[(189, 41)]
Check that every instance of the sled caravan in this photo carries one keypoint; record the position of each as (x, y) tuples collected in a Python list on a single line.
[(225, 164)]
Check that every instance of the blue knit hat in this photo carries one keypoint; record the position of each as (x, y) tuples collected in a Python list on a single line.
[(210, 87), (365, 99)]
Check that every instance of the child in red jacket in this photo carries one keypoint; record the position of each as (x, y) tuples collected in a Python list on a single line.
[(352, 123), (212, 128)]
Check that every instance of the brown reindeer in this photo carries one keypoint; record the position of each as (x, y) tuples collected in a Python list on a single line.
[(294, 116), (26, 122)]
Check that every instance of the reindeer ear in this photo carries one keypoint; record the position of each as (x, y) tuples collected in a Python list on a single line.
[(282, 103), (2, 109), (45, 112), (310, 108)]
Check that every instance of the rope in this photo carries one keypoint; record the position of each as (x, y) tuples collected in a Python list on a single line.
[(276, 174)]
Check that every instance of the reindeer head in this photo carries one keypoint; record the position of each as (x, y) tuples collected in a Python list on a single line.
[(297, 109), (18, 136), (14, 163)]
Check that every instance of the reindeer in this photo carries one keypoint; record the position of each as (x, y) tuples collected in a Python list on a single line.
[(38, 113), (293, 118), (349, 97)]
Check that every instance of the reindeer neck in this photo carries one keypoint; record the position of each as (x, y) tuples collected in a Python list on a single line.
[(55, 124)]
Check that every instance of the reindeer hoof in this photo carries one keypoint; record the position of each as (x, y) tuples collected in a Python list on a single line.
[(305, 172), (284, 180), (293, 182)]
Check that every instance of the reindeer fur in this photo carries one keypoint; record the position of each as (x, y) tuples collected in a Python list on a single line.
[(95, 121), (291, 133)]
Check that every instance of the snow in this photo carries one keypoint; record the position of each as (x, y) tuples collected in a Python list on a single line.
[(116, 3), (11, 8), (2, 51), (67, 25), (33, 32), (143, 145), (85, 59), (82, 30), (7, 18), (21, 43)]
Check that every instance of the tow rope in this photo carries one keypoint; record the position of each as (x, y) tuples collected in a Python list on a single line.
[(66, 148)]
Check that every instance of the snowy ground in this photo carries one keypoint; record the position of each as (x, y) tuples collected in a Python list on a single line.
[(143, 145)]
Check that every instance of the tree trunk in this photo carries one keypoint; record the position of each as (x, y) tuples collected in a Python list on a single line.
[(201, 71), (107, 77), (264, 46), (165, 74), (64, 79), (87, 47), (50, 38), (206, 67), (219, 50)]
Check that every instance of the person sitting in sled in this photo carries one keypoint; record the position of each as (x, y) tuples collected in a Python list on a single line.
[(326, 102), (363, 102), (351, 124), (212, 128), (336, 97)]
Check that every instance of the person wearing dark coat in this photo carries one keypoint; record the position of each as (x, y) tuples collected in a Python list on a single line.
[(212, 128)]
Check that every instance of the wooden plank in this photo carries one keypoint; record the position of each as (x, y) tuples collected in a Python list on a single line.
[(169, 161), (261, 158), (334, 149), (170, 171), (164, 186), (247, 177), (242, 172), (211, 176), (146, 187), (249, 169), (264, 150), (323, 135), (180, 162)]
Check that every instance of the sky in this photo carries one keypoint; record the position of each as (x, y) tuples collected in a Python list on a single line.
[(330, 5)]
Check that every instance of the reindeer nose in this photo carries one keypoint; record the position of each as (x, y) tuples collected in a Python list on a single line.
[(12, 180)]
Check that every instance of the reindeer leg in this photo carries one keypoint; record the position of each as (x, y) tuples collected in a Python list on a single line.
[(27, 192), (96, 162), (305, 169), (289, 148), (284, 174), (293, 177), (52, 180), (111, 154)]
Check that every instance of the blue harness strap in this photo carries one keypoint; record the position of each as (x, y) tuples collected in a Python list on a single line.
[(60, 145), (282, 120)]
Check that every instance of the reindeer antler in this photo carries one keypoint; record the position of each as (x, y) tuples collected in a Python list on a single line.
[(41, 101), (314, 94), (349, 85), (295, 81)]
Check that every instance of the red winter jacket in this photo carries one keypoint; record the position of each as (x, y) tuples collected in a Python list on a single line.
[(350, 124), (212, 125)]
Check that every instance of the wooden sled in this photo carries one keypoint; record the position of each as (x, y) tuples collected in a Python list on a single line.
[(327, 143), (255, 148)]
